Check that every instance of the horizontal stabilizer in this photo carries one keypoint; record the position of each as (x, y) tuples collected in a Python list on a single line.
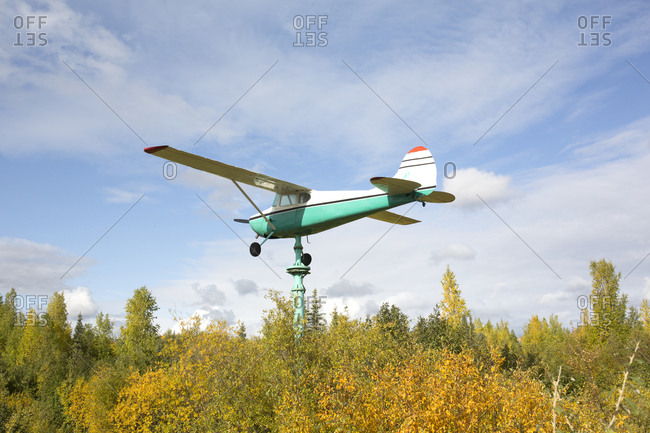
[(392, 218), (392, 185), (224, 170), (438, 197)]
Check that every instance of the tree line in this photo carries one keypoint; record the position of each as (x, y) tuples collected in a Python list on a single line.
[(446, 372)]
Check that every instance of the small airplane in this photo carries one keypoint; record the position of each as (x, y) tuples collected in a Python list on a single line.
[(300, 211)]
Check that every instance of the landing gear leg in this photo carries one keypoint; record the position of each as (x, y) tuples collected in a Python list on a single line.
[(255, 249)]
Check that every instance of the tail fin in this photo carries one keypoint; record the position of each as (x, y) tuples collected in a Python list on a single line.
[(418, 166)]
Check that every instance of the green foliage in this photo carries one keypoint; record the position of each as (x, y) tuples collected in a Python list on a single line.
[(433, 332), (543, 345), (436, 332), (103, 340), (502, 340), (608, 305), (450, 326), (8, 319), (393, 322), (82, 355), (139, 343)]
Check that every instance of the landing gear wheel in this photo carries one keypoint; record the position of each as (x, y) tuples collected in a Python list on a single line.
[(305, 259), (255, 249)]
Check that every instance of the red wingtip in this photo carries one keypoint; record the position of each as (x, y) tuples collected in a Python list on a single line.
[(417, 149), (155, 149)]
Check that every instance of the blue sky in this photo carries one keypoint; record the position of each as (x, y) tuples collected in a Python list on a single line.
[(561, 165)]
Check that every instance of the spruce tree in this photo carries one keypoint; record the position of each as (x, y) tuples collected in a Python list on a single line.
[(315, 318)]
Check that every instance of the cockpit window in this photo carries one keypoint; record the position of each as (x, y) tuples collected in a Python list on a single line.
[(282, 200), (288, 199)]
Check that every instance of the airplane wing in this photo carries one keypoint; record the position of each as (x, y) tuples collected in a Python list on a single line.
[(224, 170), (393, 185), (393, 218)]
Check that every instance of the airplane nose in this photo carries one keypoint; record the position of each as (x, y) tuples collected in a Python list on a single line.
[(259, 226)]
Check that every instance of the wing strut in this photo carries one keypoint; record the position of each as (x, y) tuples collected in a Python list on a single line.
[(254, 205)]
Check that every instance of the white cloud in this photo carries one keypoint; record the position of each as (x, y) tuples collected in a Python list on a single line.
[(553, 298), (456, 250), (222, 193), (579, 286), (117, 195), (32, 267), (571, 295), (454, 87), (210, 295), (216, 313), (469, 183), (630, 142), (349, 289), (79, 300), (206, 316), (245, 286)]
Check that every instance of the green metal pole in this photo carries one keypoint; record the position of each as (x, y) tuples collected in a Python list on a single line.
[(298, 271)]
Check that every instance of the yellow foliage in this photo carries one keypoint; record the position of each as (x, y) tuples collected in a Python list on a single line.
[(453, 305), (88, 403), (206, 387), (156, 401), (23, 411), (442, 392)]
